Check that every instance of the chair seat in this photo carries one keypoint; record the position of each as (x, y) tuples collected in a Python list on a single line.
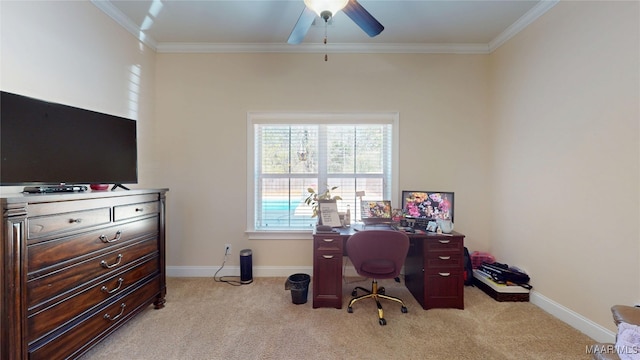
[(379, 267)]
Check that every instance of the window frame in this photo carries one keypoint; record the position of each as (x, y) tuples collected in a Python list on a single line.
[(324, 118)]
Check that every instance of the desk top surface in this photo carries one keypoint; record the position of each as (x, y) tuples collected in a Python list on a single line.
[(348, 231)]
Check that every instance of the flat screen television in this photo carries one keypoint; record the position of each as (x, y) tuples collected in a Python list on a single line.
[(428, 205), (44, 143)]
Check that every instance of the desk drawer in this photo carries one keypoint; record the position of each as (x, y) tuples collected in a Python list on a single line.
[(39, 227), (444, 245), (444, 261), (444, 290), (332, 243)]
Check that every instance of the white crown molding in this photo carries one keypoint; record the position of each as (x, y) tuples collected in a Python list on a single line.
[(125, 22), (168, 47), (524, 21), (321, 48)]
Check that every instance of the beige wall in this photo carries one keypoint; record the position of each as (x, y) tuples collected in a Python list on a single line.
[(202, 105), (565, 158), (70, 52), (542, 132)]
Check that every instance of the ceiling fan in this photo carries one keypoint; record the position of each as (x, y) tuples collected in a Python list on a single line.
[(326, 9)]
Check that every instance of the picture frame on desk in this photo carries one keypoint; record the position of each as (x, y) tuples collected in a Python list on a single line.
[(328, 213)]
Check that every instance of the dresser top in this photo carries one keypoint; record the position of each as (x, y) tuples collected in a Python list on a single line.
[(83, 195)]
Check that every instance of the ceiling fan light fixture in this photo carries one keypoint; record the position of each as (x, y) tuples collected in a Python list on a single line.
[(322, 6)]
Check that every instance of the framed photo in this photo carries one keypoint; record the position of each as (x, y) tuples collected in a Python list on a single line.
[(432, 226), (328, 213)]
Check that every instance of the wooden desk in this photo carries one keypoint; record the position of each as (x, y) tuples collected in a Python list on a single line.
[(434, 268)]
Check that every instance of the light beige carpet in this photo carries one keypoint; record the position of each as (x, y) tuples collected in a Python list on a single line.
[(204, 319)]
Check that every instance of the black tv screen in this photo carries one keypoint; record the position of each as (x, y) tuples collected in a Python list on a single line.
[(44, 143), (428, 205)]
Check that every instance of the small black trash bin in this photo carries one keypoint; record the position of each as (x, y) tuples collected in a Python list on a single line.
[(299, 286)]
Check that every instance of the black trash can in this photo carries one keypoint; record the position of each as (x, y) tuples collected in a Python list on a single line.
[(299, 286)]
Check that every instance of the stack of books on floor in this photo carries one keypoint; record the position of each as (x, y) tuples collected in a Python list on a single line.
[(500, 292)]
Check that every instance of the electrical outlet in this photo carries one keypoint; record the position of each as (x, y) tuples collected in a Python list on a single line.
[(227, 249)]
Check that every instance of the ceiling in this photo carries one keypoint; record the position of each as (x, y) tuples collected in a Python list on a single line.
[(432, 26)]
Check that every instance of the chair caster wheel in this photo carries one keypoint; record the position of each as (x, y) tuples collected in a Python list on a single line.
[(350, 310), (381, 291), (354, 293), (382, 322), (404, 309)]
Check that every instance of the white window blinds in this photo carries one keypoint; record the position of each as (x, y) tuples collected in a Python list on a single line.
[(292, 155)]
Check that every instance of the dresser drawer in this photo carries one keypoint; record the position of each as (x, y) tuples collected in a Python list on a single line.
[(46, 320), (57, 284), (39, 227), (55, 252), (76, 337), (134, 210)]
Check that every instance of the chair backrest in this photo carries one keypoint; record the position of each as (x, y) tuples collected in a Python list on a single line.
[(382, 248)]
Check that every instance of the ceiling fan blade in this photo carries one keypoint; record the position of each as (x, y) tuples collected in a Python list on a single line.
[(362, 18), (302, 26)]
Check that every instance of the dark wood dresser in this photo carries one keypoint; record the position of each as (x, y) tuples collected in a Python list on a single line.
[(77, 266)]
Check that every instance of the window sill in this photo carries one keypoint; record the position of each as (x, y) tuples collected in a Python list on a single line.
[(280, 235)]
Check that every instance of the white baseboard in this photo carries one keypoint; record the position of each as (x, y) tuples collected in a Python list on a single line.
[(257, 271), (573, 319)]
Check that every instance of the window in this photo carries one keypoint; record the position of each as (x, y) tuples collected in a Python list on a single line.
[(289, 153)]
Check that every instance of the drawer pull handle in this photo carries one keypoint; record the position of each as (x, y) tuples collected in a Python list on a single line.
[(444, 257), (327, 256), (327, 240), (107, 266), (444, 274), (76, 221), (444, 241), (139, 209), (106, 290), (104, 239), (108, 317)]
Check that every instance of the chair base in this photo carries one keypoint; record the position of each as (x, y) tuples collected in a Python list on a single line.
[(375, 294)]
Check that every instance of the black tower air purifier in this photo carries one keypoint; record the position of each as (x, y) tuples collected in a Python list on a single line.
[(246, 266)]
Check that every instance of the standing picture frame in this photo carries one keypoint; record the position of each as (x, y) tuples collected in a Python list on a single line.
[(328, 213)]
